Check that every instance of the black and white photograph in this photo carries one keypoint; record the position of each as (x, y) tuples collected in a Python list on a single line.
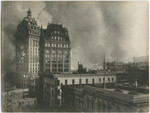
[(75, 56)]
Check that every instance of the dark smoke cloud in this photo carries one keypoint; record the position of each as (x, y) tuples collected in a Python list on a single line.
[(119, 28), (116, 27), (12, 15)]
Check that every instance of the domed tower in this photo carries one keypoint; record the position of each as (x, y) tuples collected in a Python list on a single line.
[(27, 50)]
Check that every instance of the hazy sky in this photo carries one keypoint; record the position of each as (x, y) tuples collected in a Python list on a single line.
[(119, 28)]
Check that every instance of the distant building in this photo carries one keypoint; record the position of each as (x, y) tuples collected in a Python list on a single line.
[(55, 49), (111, 66), (141, 65), (27, 50), (81, 69), (119, 67), (95, 99), (51, 85), (140, 59)]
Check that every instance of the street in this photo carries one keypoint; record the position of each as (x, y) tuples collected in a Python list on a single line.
[(13, 101)]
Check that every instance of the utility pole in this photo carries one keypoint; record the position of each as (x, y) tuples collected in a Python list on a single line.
[(104, 70)]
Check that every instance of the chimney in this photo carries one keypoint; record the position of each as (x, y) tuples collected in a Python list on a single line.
[(135, 82)]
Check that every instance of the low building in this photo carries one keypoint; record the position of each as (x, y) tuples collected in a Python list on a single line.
[(50, 88), (95, 99), (81, 69), (140, 59), (141, 65)]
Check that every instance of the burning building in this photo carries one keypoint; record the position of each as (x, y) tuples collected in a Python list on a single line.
[(27, 50), (52, 43)]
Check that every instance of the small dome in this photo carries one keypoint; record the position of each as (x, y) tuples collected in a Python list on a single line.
[(29, 12)]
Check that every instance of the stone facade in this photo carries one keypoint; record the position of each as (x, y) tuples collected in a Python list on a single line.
[(54, 49), (53, 83), (93, 99)]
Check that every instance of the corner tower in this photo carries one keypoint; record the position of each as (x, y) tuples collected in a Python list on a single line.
[(27, 50)]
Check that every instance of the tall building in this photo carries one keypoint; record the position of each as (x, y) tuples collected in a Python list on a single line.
[(54, 49), (27, 50), (53, 43)]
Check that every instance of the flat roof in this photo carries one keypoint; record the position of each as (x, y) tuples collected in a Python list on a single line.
[(82, 75), (121, 94)]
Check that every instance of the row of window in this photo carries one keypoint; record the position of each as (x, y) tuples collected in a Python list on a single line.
[(33, 37), (34, 48), (80, 81), (34, 64), (56, 56), (34, 52), (34, 68), (55, 70), (54, 61), (57, 45), (34, 44), (34, 32), (33, 61), (55, 65), (34, 28), (59, 32), (56, 38), (34, 71), (57, 52)]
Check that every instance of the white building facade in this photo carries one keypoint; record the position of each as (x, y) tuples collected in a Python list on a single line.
[(52, 85)]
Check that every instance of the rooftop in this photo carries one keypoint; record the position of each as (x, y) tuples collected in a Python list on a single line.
[(82, 75), (119, 94)]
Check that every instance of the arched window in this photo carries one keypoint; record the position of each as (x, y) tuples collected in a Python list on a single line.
[(92, 104), (47, 51), (48, 45), (103, 105), (53, 52), (45, 44), (65, 52), (59, 52), (88, 103), (99, 106)]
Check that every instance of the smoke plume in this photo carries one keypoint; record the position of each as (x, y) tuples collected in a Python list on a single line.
[(118, 28)]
